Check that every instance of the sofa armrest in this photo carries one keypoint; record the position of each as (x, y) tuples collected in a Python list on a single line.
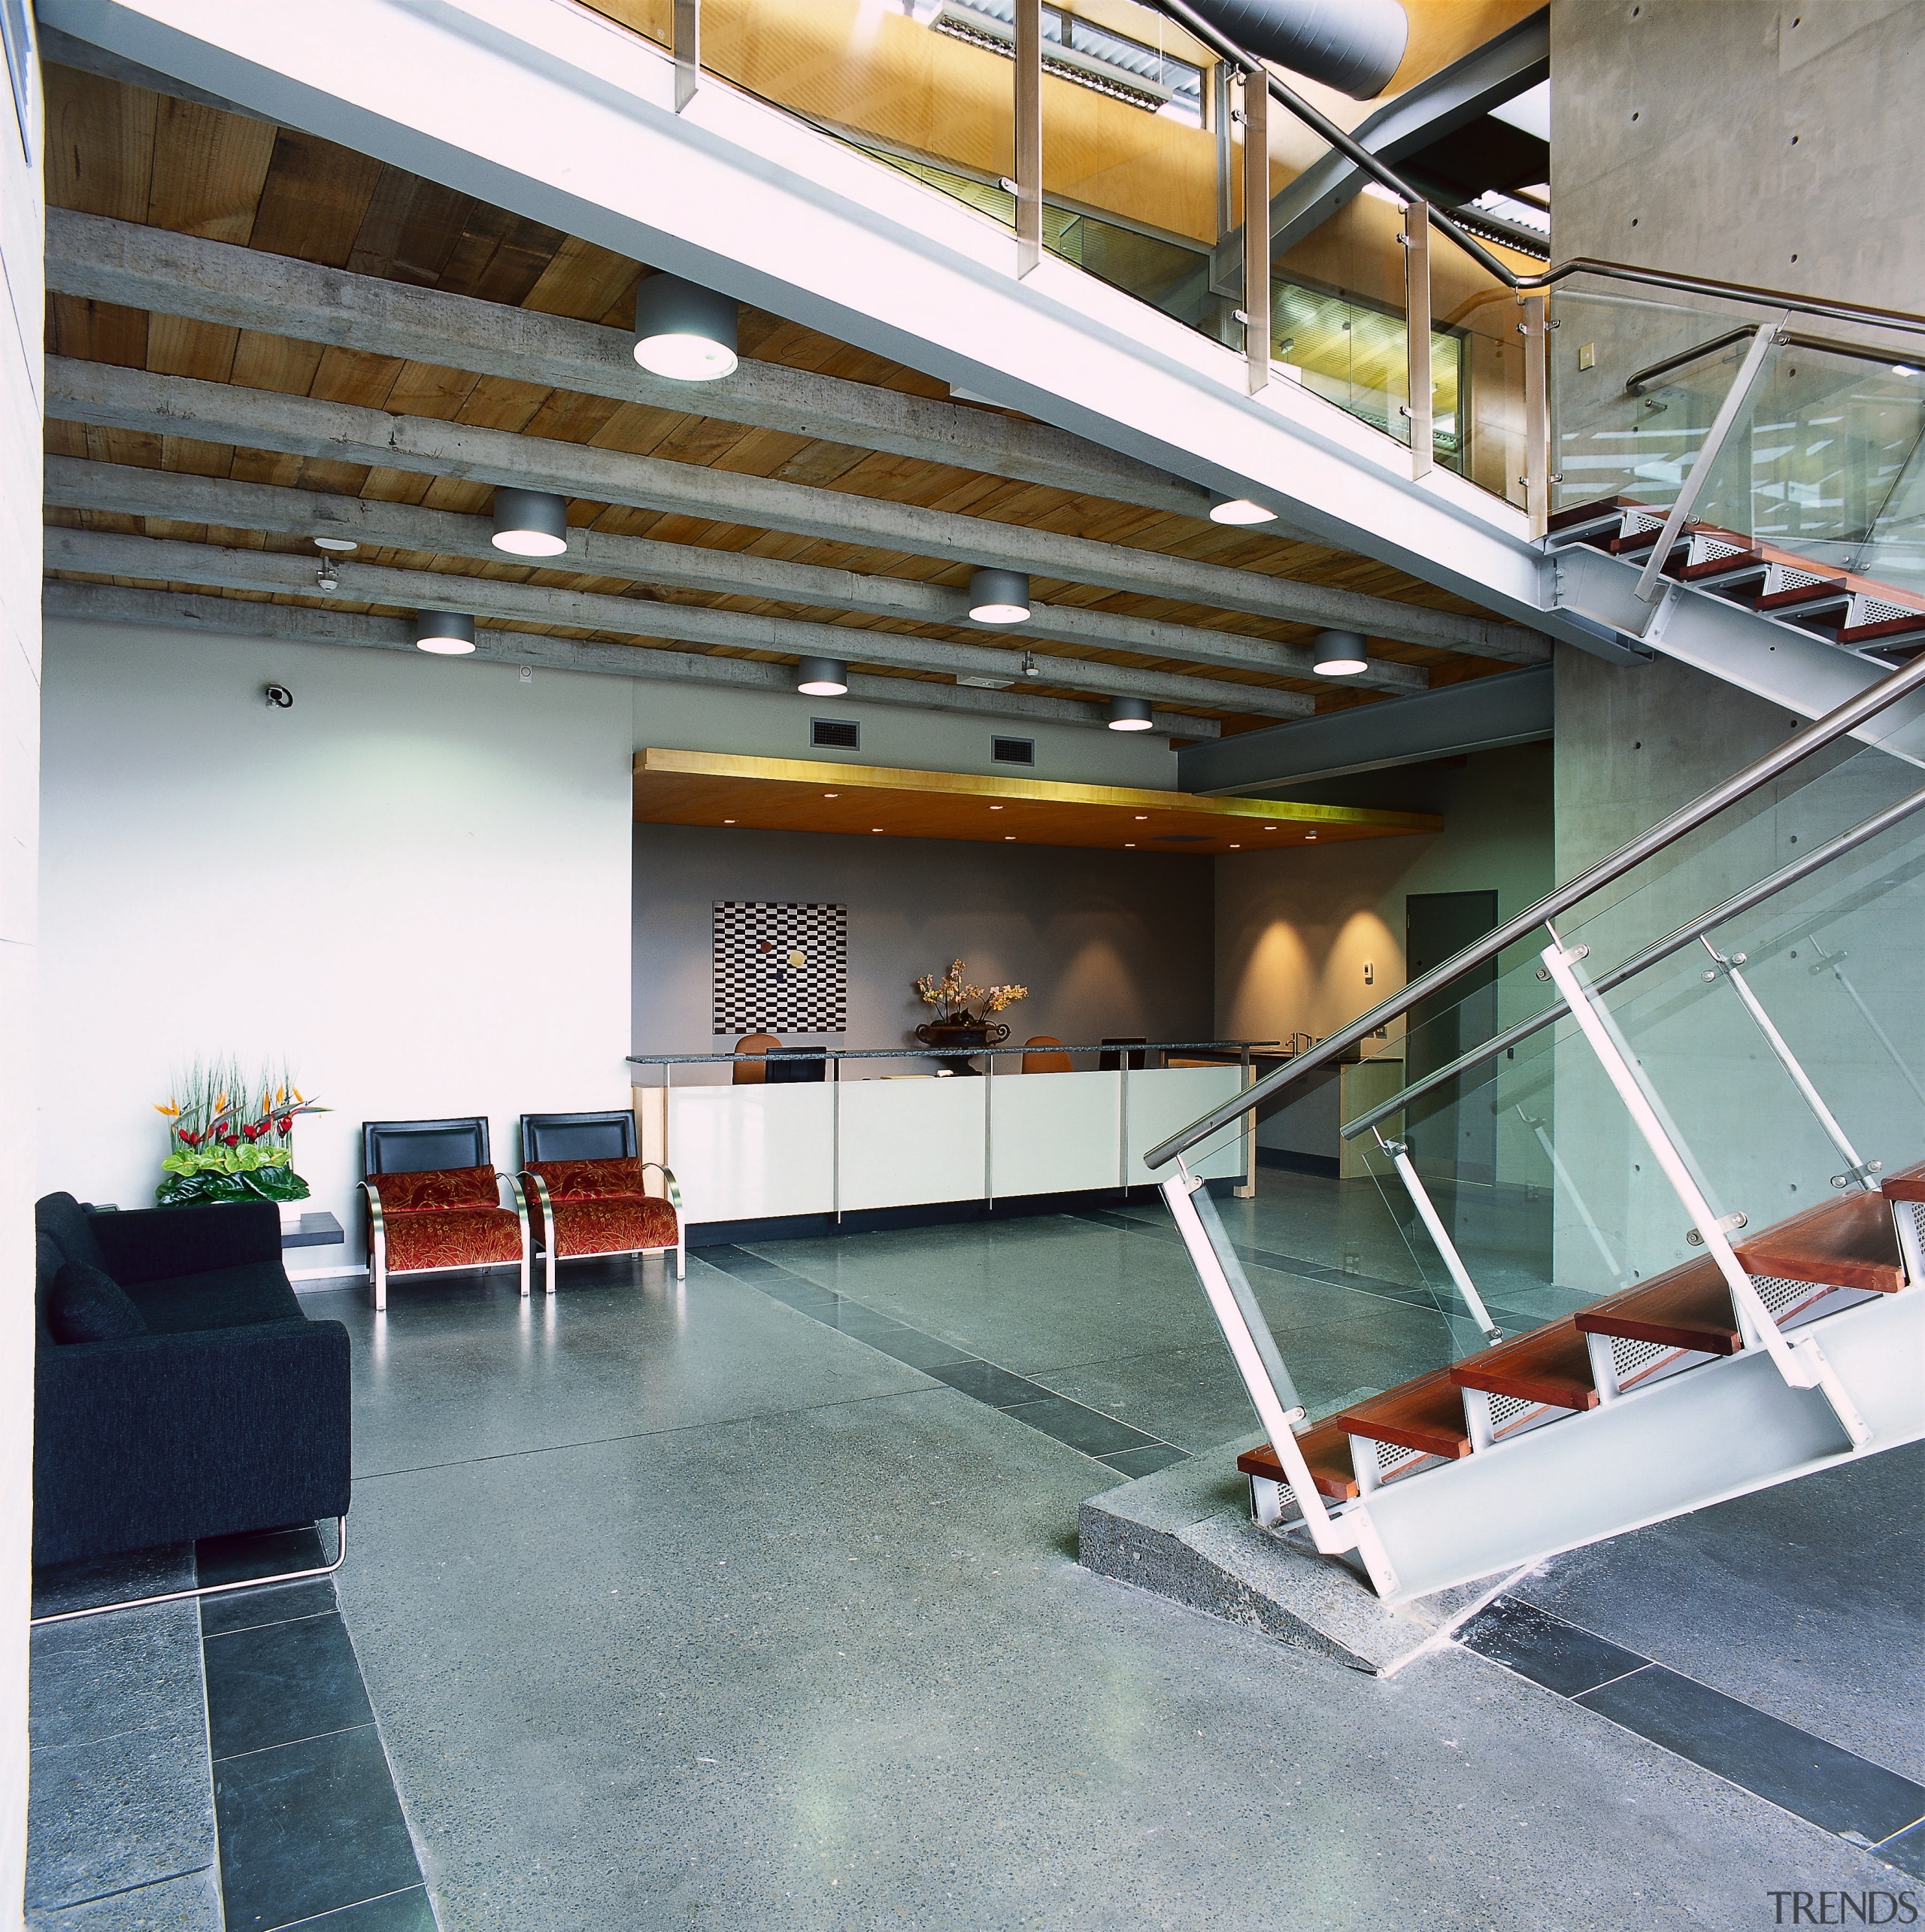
[(671, 1188), (156, 1244), (162, 1439)]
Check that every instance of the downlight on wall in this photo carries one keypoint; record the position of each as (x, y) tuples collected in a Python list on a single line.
[(1339, 653), (822, 677), (1240, 509), (1130, 714), (530, 522), (683, 331), (998, 596), (446, 633)]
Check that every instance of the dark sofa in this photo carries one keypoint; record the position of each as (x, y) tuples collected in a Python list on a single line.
[(231, 1413)]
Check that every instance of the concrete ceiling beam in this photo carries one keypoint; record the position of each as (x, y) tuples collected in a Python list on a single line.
[(98, 553), (229, 617), (75, 483), (112, 397)]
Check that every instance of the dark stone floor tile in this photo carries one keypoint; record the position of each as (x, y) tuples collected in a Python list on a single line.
[(1836, 1790), (310, 1827), (262, 1553), (282, 1682), (987, 1383), (1545, 1649), (927, 1352), (189, 1902), (113, 1579), (1077, 1427), (408, 1911), (1906, 1850), (1133, 1463), (249, 1609)]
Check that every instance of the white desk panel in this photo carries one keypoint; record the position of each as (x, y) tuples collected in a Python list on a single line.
[(1162, 1099), (1055, 1132), (906, 1141), (743, 1152)]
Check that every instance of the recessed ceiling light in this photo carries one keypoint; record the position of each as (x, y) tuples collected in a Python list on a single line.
[(1129, 845), (728, 821), (446, 633), (1311, 836), (1130, 714), (530, 522), (1236, 848), (1240, 509), (1340, 654), (875, 828), (684, 331), (998, 596), (831, 794), (1142, 817), (341, 544), (1269, 828), (996, 807), (822, 677), (1009, 838)]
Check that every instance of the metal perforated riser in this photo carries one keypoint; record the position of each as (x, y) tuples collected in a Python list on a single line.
[(1777, 1295), (1505, 1409), (1390, 1454), (1628, 1358), (1876, 610), (1917, 1210)]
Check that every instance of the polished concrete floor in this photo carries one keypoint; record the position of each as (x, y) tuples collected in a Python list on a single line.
[(684, 1604)]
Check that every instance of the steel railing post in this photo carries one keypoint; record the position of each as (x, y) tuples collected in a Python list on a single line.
[(1803, 1365), (1028, 135), (1416, 239)]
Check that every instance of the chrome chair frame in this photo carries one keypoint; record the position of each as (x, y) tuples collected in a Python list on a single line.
[(378, 1241), (539, 1187)]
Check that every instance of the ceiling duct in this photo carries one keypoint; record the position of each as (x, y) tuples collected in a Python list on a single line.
[(1354, 45)]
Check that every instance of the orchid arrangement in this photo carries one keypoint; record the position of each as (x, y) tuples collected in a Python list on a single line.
[(953, 998), (224, 1145)]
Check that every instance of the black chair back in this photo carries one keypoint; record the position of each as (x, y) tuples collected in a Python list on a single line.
[(609, 1136), (787, 1068), (423, 1147)]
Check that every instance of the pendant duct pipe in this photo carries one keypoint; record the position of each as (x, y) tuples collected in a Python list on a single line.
[(1354, 45)]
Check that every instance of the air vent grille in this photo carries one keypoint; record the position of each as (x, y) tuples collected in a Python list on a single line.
[(1013, 750), (835, 734)]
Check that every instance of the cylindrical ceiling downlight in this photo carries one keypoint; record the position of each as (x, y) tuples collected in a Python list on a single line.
[(530, 522), (822, 677), (1339, 653), (998, 596), (1130, 714), (447, 633), (684, 331)]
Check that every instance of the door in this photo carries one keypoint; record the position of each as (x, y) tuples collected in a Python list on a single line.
[(1453, 1129)]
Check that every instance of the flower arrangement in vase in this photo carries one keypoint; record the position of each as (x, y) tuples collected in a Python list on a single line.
[(965, 1014), (223, 1146)]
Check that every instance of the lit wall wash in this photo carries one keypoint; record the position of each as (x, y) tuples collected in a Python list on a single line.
[(683, 331)]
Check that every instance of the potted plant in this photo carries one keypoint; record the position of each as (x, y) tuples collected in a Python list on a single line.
[(965, 1014), (225, 1146)]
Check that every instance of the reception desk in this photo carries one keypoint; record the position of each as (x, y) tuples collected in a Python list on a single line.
[(847, 1144)]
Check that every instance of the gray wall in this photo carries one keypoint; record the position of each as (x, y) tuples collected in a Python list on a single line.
[(1707, 179), (1107, 942)]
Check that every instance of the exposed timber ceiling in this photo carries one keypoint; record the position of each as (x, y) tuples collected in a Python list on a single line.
[(256, 337)]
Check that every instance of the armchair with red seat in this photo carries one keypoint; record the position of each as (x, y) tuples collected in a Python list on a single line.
[(588, 1194), (434, 1202)]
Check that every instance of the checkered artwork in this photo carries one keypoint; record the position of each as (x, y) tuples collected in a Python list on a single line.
[(780, 969)]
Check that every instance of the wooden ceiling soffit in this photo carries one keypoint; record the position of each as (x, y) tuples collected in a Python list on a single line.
[(715, 788)]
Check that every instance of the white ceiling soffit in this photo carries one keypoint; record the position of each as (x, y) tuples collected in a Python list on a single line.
[(545, 109)]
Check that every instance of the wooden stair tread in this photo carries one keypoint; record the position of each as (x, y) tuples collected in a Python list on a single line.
[(1832, 590), (1848, 1243), (1908, 1186), (1426, 1413), (1326, 1448), (1686, 1307), (1551, 1364)]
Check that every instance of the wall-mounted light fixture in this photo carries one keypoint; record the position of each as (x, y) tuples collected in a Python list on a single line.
[(1130, 714), (1339, 653), (530, 522), (684, 331), (822, 677), (447, 633), (998, 596), (340, 546), (1240, 509)]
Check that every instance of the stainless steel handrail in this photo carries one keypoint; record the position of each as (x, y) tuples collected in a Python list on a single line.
[(1847, 717), (1819, 856), (946, 1052), (1635, 384), (1321, 125)]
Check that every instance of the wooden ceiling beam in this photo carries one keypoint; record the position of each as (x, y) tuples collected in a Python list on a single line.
[(183, 497), (116, 398), (162, 560), (231, 617), (138, 267)]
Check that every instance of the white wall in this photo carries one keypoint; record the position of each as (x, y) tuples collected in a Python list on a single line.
[(414, 884), (20, 330), (770, 724)]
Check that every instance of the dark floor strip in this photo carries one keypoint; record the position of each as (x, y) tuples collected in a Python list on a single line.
[(1117, 1445), (310, 1828), (1834, 1789)]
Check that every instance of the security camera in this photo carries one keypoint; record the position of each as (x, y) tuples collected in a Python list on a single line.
[(279, 697)]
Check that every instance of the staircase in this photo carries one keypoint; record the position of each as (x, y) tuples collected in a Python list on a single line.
[(1872, 619)]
